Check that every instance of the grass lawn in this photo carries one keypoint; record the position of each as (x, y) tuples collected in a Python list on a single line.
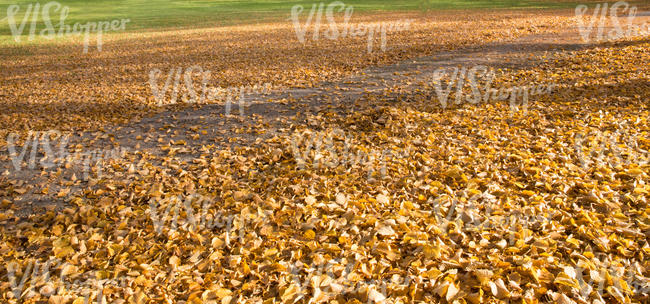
[(156, 14)]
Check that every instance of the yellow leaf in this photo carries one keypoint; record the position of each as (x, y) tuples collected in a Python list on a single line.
[(310, 234)]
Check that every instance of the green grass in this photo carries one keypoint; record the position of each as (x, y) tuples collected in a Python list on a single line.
[(157, 14)]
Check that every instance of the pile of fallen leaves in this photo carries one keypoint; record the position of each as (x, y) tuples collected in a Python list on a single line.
[(60, 87), (469, 204)]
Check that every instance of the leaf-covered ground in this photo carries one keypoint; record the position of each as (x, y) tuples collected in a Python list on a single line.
[(472, 203), (59, 87)]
